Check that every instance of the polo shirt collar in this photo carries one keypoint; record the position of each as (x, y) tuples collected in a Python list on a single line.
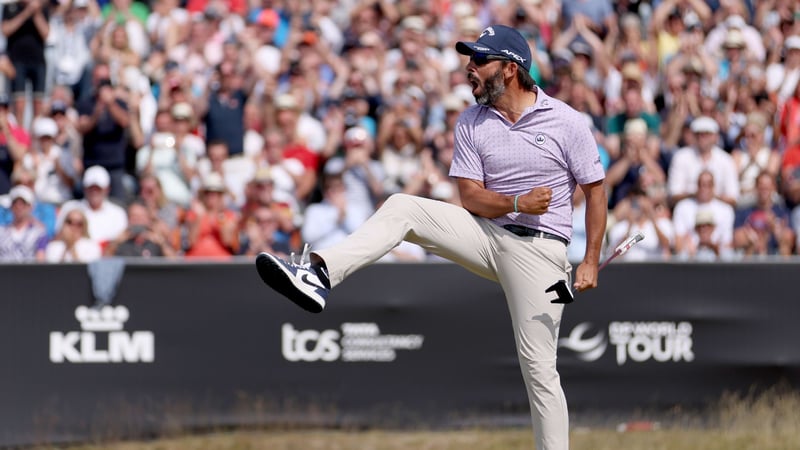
[(543, 101)]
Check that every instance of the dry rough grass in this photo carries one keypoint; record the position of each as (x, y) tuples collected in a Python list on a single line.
[(505, 439), (766, 421)]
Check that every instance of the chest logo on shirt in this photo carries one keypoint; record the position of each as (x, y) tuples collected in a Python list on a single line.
[(539, 139)]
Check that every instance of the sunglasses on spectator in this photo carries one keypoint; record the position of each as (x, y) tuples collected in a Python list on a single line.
[(74, 222), (481, 59)]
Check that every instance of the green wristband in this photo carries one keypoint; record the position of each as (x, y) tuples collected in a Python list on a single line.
[(516, 197)]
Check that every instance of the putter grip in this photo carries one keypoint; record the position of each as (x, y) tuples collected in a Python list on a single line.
[(630, 242), (608, 260)]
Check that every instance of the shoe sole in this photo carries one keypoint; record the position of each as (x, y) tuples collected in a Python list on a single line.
[(274, 275)]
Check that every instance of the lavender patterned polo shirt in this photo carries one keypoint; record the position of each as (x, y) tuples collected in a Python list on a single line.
[(550, 145)]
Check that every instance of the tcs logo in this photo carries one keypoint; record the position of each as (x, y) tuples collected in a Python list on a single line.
[(309, 345)]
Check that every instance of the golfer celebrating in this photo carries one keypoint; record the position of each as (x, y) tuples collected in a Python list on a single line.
[(519, 156)]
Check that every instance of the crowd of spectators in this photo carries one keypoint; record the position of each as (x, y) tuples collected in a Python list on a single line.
[(223, 128)]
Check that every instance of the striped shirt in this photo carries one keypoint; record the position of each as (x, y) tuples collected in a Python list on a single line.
[(20, 245), (550, 145)]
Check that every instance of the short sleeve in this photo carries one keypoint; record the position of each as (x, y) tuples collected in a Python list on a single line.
[(583, 157), (467, 162)]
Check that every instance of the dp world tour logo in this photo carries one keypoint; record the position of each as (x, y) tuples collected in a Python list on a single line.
[(586, 348), (633, 341), (102, 339)]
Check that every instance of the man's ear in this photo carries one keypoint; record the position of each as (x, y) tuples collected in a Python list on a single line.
[(510, 71)]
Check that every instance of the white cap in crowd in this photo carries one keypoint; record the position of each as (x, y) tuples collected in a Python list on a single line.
[(414, 23), (23, 192), (286, 101), (792, 43), (356, 135), (734, 39), (735, 21), (704, 217), (96, 176), (213, 182), (44, 126), (182, 110), (704, 124), (635, 126)]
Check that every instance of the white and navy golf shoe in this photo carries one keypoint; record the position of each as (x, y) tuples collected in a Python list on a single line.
[(301, 283)]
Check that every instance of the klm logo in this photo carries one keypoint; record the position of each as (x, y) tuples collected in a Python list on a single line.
[(102, 339)]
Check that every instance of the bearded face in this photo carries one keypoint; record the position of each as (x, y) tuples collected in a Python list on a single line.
[(487, 92)]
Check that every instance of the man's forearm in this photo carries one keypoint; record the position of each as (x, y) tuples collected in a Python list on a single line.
[(41, 24), (596, 217), (15, 148), (483, 202), (11, 26)]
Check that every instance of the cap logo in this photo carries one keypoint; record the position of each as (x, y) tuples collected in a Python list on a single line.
[(539, 139), (513, 55), (488, 31)]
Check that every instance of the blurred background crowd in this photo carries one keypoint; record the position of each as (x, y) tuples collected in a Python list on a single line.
[(223, 128)]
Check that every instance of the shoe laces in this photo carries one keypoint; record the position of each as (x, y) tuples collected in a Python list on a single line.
[(305, 261)]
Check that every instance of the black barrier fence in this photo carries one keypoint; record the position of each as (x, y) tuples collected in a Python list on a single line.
[(205, 345)]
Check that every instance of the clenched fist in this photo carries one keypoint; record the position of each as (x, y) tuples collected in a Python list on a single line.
[(537, 201)]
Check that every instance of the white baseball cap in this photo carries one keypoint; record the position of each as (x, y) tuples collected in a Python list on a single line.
[(23, 192), (182, 110), (96, 176), (356, 134), (264, 175), (734, 39), (792, 43), (735, 21), (44, 126), (213, 182), (704, 124), (704, 217), (414, 23), (635, 126), (286, 101)]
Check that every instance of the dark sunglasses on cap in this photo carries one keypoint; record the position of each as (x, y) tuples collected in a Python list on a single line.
[(481, 59)]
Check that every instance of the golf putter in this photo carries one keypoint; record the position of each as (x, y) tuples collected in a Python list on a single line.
[(565, 293)]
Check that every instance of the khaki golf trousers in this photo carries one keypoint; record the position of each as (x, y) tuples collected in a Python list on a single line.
[(524, 267)]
